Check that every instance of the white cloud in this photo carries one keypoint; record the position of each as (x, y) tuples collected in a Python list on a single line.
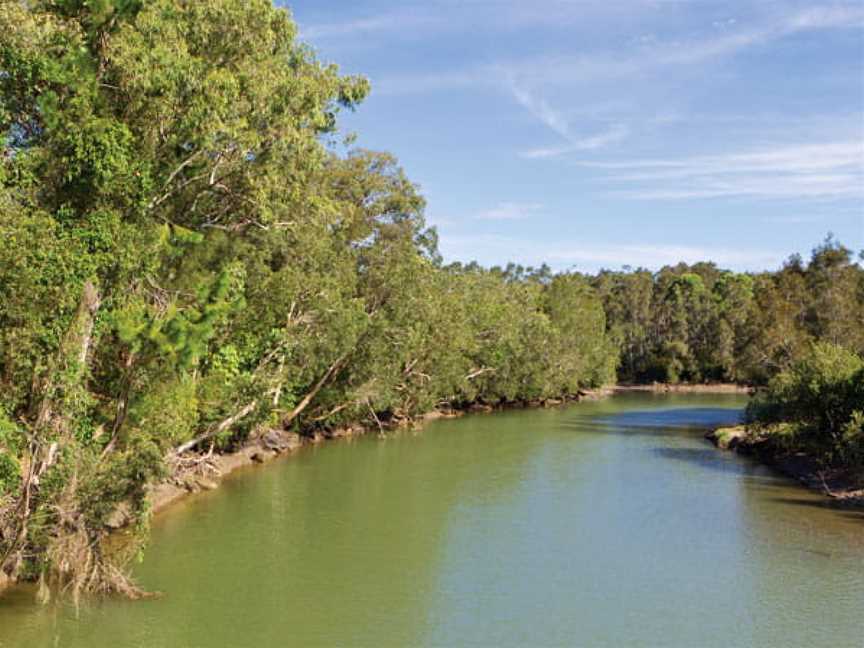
[(830, 170), (615, 133), (649, 55), (826, 17), (540, 109), (657, 256), (658, 54), (394, 22), (442, 16), (796, 219), (827, 187), (510, 211)]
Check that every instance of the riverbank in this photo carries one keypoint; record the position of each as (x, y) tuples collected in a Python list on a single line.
[(836, 483), (686, 388), (203, 472), (194, 473)]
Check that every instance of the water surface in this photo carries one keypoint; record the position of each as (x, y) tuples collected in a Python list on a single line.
[(600, 524)]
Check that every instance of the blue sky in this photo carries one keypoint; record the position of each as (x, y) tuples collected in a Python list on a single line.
[(605, 133)]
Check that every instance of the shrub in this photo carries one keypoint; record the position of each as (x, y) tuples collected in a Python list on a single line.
[(820, 400)]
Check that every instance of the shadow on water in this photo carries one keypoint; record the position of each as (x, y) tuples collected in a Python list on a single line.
[(675, 418), (657, 422), (709, 457), (856, 515), (756, 474)]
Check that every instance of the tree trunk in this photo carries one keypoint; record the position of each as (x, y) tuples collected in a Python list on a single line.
[(51, 427), (217, 429), (303, 404)]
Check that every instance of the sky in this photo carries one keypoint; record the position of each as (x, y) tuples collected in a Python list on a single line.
[(601, 134)]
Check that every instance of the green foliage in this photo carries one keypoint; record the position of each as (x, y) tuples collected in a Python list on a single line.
[(10, 447), (167, 411), (819, 401), (697, 323)]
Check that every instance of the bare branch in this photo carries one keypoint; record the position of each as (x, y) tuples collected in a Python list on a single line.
[(218, 429)]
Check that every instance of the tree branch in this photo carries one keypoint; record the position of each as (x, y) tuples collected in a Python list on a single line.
[(303, 404), (217, 429)]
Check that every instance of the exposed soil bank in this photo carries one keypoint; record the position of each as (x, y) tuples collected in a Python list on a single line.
[(196, 473), (838, 484), (203, 472)]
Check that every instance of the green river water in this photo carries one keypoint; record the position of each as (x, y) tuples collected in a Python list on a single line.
[(608, 523)]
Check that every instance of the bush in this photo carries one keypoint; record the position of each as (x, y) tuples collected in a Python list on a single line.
[(820, 400), (10, 440)]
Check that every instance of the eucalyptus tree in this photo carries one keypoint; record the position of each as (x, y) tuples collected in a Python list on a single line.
[(138, 138)]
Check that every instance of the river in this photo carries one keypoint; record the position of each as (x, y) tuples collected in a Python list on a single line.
[(609, 523)]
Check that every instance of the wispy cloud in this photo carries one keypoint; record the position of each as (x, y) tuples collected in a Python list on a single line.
[(510, 211), (695, 50), (828, 16), (795, 219), (437, 17), (853, 212), (393, 22), (829, 170), (615, 133), (657, 256), (541, 110), (647, 55)]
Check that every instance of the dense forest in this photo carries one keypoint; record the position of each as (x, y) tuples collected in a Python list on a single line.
[(187, 256), (698, 323)]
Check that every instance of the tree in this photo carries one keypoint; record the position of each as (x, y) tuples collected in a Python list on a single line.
[(139, 138)]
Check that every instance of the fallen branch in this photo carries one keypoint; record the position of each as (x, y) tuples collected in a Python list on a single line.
[(218, 429), (303, 404), (479, 372), (332, 412)]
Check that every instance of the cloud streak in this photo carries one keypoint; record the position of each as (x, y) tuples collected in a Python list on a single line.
[(831, 170), (393, 23), (615, 133), (540, 109), (510, 211), (648, 56)]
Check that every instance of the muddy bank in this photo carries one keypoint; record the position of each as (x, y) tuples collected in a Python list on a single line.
[(203, 472), (687, 388), (838, 484), (200, 472)]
